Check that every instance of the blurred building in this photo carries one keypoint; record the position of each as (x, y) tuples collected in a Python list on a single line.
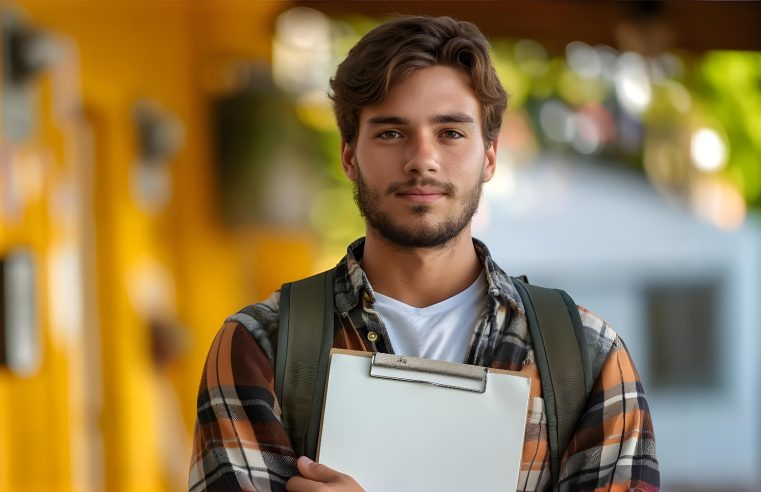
[(681, 293), (117, 268)]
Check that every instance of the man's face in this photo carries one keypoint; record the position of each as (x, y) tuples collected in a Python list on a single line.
[(419, 159)]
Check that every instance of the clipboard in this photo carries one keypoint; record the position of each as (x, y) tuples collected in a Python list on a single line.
[(404, 424)]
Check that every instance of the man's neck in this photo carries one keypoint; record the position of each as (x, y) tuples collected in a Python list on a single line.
[(420, 277)]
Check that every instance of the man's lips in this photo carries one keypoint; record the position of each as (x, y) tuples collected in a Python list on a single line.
[(417, 194)]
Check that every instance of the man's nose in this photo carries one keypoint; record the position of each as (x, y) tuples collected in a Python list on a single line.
[(423, 157)]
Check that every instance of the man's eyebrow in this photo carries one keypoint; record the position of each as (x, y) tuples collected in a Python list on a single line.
[(452, 118), (455, 117), (387, 120)]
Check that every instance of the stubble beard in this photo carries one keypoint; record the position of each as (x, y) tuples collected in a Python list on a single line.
[(416, 234)]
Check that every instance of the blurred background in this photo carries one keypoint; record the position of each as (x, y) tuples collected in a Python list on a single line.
[(164, 163)]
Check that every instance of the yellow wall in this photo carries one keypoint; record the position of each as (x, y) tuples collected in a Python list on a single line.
[(98, 405)]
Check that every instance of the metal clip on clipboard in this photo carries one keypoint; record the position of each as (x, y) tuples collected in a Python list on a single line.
[(438, 373)]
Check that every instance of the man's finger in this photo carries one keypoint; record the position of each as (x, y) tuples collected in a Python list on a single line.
[(299, 484), (317, 471)]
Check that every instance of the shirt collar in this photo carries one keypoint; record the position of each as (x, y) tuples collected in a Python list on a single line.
[(351, 282)]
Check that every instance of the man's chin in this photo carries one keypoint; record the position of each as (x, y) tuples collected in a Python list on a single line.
[(424, 237), (421, 209)]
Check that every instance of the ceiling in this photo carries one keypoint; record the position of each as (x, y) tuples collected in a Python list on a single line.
[(641, 26)]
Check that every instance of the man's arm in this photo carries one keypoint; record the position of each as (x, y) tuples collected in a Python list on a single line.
[(613, 447), (239, 441)]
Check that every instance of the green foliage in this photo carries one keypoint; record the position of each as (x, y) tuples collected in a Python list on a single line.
[(728, 88)]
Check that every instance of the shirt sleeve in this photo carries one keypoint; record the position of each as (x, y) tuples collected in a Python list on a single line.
[(613, 447), (239, 441)]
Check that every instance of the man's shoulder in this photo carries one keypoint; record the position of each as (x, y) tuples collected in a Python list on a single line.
[(597, 328), (599, 338), (261, 321), (596, 337)]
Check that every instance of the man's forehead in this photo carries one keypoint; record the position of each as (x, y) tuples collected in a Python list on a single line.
[(434, 95)]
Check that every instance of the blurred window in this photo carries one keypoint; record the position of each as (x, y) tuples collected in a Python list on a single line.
[(19, 337), (683, 335)]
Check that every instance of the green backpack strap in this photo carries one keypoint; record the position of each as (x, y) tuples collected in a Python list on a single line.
[(556, 332), (306, 325)]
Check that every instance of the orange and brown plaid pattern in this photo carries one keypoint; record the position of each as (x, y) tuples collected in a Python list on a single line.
[(240, 442)]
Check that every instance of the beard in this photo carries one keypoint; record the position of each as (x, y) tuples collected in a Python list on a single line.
[(416, 233)]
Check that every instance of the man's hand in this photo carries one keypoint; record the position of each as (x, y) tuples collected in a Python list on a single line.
[(318, 477)]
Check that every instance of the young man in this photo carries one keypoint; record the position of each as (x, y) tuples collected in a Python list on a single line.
[(419, 107)]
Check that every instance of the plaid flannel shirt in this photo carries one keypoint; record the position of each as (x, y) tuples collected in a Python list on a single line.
[(240, 442)]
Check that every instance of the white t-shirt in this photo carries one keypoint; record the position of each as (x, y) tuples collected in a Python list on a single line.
[(441, 331)]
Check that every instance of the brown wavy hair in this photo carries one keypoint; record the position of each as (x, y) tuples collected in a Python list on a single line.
[(392, 51)]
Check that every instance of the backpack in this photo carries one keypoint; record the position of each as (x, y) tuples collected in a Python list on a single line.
[(303, 349)]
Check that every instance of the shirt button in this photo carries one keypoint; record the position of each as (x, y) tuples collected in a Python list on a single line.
[(372, 336)]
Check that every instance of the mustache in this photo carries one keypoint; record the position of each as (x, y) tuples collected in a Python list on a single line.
[(444, 188)]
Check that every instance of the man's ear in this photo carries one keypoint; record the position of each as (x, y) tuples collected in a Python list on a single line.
[(490, 160), (349, 161)]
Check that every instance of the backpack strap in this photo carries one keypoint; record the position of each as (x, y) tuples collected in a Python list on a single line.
[(306, 323), (557, 334)]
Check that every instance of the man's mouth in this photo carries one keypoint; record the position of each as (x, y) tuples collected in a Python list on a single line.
[(421, 190), (421, 194)]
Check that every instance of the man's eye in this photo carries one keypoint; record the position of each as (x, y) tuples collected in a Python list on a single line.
[(451, 134), (389, 134)]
